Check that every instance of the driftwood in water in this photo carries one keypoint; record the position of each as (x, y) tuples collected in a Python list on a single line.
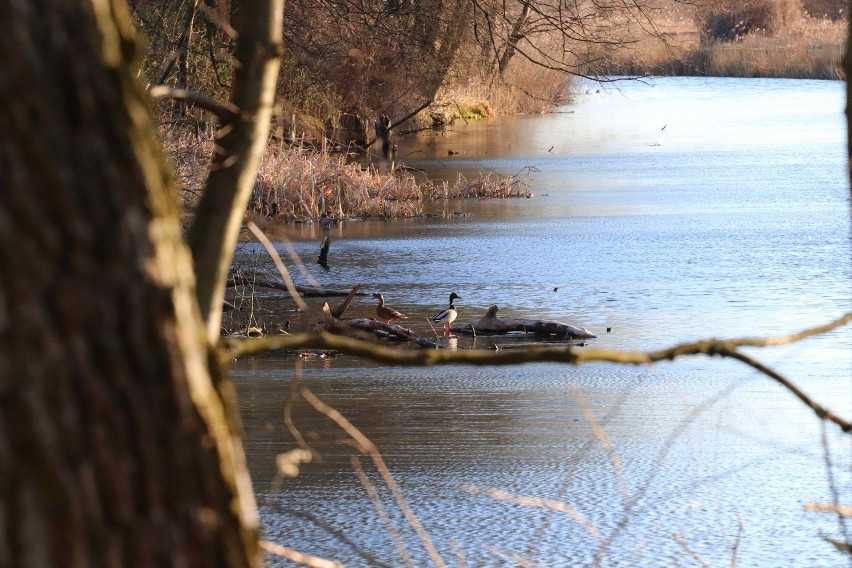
[(338, 311), (492, 324), (350, 326), (379, 328), (323, 255)]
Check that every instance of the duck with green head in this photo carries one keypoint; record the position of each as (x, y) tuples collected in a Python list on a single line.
[(448, 316)]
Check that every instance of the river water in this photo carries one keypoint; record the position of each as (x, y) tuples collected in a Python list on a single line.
[(667, 210)]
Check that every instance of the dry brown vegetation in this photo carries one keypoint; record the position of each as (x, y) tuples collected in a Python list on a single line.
[(525, 87), (298, 184), (756, 38)]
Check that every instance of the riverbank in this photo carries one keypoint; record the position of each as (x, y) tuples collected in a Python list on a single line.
[(302, 183), (801, 47)]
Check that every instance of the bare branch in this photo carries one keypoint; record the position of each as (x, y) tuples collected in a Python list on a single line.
[(226, 112), (818, 409), (279, 264), (237, 156), (370, 449), (234, 348), (550, 504), (297, 557)]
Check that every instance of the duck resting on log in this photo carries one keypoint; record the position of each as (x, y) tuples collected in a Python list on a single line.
[(492, 324), (387, 313)]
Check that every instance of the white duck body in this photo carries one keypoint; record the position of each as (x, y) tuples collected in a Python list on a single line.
[(448, 316)]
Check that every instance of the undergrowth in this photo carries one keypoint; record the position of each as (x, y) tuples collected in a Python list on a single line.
[(298, 183)]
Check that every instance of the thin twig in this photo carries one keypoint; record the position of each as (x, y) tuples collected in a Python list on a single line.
[(549, 504), (297, 557), (819, 410), (381, 511), (832, 484), (299, 263), (843, 511), (735, 549), (369, 448), (603, 439), (276, 258), (227, 112), (679, 539)]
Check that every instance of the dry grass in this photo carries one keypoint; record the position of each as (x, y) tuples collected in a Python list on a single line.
[(807, 48), (530, 88), (189, 150), (758, 56), (473, 90), (486, 185), (298, 184)]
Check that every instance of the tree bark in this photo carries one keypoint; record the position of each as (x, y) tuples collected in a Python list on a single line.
[(115, 447), (514, 37), (237, 156)]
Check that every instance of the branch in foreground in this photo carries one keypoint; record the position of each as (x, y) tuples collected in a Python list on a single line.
[(226, 112), (297, 557), (233, 348)]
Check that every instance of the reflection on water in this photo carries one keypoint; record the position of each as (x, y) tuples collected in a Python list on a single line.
[(666, 211)]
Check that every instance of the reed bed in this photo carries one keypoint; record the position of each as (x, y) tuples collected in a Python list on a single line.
[(797, 45), (810, 50), (300, 184), (489, 185), (297, 185)]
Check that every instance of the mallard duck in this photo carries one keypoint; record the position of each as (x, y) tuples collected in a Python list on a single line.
[(386, 313), (448, 316)]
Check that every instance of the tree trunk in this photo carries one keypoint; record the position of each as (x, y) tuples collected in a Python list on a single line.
[(516, 36), (237, 156), (115, 447)]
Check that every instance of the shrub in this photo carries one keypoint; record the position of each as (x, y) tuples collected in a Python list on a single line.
[(730, 20)]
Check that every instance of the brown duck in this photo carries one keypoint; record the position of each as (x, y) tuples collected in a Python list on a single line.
[(385, 313)]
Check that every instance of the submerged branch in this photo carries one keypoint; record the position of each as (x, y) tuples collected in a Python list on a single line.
[(235, 348)]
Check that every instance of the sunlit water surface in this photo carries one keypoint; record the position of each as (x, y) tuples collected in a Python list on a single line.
[(667, 210)]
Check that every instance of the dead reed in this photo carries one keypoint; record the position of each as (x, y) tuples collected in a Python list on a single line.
[(300, 184), (485, 185), (790, 44)]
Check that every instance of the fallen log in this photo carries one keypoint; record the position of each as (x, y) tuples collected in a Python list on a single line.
[(380, 328), (492, 324)]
